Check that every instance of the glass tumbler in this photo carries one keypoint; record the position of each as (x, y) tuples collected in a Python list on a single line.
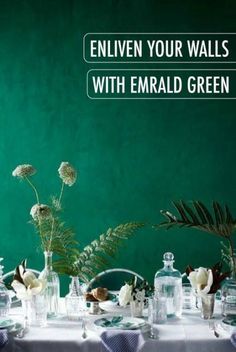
[(188, 296), (157, 310)]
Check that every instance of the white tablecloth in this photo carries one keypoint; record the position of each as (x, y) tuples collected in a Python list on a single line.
[(188, 334)]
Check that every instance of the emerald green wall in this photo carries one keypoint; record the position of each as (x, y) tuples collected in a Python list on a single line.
[(133, 157)]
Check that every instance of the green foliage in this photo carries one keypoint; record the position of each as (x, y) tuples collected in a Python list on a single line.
[(95, 256), (219, 221), (59, 239), (226, 256)]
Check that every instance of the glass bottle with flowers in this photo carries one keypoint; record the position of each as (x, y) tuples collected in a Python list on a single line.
[(218, 221), (55, 238), (205, 283), (135, 293), (50, 228), (31, 291)]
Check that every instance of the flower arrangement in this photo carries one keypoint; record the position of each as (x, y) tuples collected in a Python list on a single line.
[(205, 281), (134, 291), (25, 283), (44, 217), (56, 238)]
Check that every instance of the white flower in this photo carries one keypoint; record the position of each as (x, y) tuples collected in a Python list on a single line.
[(30, 286), (24, 170), (125, 295), (28, 277), (139, 295), (40, 212), (201, 280), (67, 173), (21, 290)]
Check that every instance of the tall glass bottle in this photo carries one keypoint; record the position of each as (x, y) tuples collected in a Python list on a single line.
[(228, 292), (5, 299), (53, 286), (74, 300), (168, 285)]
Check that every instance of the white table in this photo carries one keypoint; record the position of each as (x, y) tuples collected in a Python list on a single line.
[(189, 334)]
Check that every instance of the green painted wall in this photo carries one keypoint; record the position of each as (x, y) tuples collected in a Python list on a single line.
[(133, 157)]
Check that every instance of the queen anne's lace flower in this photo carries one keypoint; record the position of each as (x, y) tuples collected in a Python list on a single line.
[(40, 212), (24, 171), (67, 173)]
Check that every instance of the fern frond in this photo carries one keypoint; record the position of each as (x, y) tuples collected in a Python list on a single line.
[(95, 256)]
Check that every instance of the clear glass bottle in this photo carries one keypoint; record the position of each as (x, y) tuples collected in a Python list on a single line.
[(53, 286), (5, 299), (228, 292), (74, 300), (168, 285)]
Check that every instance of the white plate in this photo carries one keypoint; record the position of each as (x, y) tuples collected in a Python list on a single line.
[(6, 323), (111, 306), (120, 322)]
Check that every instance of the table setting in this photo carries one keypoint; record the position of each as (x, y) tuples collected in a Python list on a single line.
[(190, 311)]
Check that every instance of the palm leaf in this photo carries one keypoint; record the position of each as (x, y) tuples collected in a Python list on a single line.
[(196, 215)]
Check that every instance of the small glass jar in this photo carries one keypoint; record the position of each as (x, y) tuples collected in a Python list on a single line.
[(157, 313), (136, 308), (208, 304), (35, 310), (75, 300), (5, 299), (188, 296), (228, 292)]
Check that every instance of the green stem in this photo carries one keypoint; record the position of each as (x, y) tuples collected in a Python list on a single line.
[(41, 235), (61, 193), (34, 188), (51, 235)]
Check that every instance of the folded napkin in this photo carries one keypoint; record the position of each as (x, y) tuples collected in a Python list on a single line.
[(122, 341), (3, 338), (233, 338)]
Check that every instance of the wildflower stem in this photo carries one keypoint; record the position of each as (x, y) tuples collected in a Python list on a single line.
[(61, 193), (41, 234), (34, 188), (51, 235)]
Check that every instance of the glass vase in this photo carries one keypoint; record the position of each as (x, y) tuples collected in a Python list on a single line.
[(26, 312), (208, 304), (228, 293), (5, 299), (35, 311), (75, 300), (136, 308), (52, 291)]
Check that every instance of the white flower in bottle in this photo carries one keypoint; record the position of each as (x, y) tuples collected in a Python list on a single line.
[(125, 295), (201, 280), (30, 286)]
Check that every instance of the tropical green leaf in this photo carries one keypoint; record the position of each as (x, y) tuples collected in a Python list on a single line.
[(196, 215)]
